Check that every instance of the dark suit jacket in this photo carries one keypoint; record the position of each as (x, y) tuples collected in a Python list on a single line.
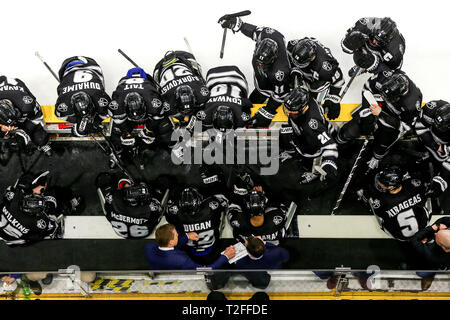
[(175, 259), (273, 258), (432, 255)]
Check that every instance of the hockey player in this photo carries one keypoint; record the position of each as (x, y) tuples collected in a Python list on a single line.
[(319, 71), (82, 99), (28, 213), (228, 106), (180, 69), (399, 105), (135, 101), (376, 45), (21, 115), (433, 130), (183, 92), (257, 218), (398, 201), (190, 212), (271, 67), (133, 209), (308, 135)]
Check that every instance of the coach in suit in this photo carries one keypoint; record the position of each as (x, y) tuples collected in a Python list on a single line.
[(261, 256), (165, 253), (432, 246)]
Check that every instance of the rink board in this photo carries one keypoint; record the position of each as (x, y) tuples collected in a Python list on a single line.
[(346, 109)]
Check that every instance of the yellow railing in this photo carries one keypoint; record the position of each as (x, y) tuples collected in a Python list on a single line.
[(346, 109)]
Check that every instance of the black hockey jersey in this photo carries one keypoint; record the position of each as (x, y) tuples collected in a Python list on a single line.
[(228, 87), (273, 228), (81, 74), (207, 222), (275, 83), (131, 222), (403, 214), (321, 73), (15, 90), (386, 58), (174, 70), (137, 81), (432, 139), (309, 135), (406, 109), (18, 228)]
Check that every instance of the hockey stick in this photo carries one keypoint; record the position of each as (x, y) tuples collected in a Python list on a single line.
[(224, 37), (290, 215), (349, 178), (128, 58), (188, 46), (116, 157), (369, 97), (46, 65), (357, 73)]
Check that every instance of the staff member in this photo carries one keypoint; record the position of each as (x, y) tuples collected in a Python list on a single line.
[(261, 256), (435, 254), (165, 253)]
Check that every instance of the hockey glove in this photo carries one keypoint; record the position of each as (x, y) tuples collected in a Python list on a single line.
[(286, 155), (262, 118), (58, 232), (127, 140), (437, 187), (366, 60), (330, 168), (372, 164), (208, 174), (308, 177), (355, 40), (147, 136), (230, 22), (353, 70), (332, 106)]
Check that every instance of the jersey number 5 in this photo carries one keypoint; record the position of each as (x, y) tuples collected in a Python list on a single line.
[(408, 223)]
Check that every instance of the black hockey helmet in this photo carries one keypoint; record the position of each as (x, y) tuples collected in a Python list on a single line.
[(442, 118), (303, 52), (256, 203), (185, 99), (391, 176), (135, 106), (136, 194), (223, 118), (266, 52), (190, 200), (394, 87), (82, 104), (296, 100), (385, 32), (9, 115), (32, 204), (28, 181)]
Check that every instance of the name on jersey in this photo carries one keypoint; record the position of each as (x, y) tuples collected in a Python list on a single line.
[(14, 222), (197, 226), (178, 82), (82, 86), (404, 205), (133, 86), (11, 88), (272, 236), (225, 99), (127, 219)]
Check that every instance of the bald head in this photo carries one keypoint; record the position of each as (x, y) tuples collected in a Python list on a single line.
[(443, 239)]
